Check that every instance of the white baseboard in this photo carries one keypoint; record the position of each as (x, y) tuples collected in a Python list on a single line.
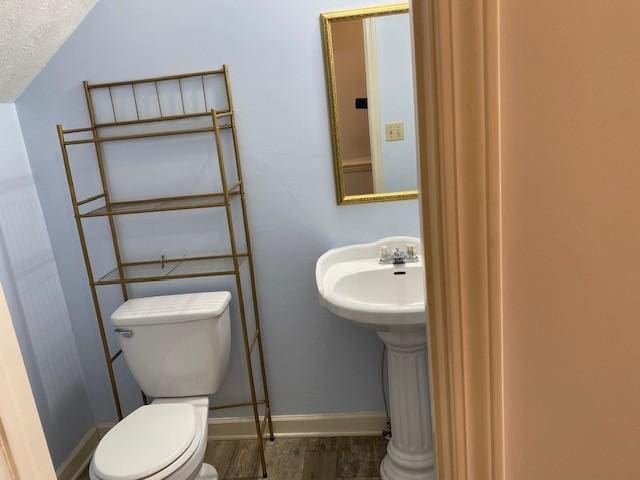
[(320, 425), (78, 460), (236, 428), (314, 425)]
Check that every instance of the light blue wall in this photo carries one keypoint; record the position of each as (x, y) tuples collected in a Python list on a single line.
[(395, 87), (316, 361), (30, 280)]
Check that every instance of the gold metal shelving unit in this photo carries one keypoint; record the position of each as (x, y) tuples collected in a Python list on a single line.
[(129, 272)]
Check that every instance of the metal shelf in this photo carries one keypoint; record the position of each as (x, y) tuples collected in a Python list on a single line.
[(127, 273), (162, 204), (171, 269)]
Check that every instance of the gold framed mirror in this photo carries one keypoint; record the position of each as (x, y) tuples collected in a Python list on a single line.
[(368, 63)]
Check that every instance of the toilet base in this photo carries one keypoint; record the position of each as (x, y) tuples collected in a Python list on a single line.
[(207, 472)]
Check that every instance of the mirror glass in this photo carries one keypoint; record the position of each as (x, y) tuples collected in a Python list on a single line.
[(370, 84)]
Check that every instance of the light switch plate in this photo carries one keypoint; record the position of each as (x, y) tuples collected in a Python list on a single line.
[(394, 131)]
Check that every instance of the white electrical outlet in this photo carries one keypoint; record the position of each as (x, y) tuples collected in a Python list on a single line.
[(394, 131)]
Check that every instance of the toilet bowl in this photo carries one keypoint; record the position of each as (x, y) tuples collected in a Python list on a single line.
[(177, 347), (162, 441)]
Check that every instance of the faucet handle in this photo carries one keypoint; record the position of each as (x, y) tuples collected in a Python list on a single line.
[(411, 252), (385, 255)]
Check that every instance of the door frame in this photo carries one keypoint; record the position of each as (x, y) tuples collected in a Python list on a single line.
[(373, 107), (456, 48), (23, 449)]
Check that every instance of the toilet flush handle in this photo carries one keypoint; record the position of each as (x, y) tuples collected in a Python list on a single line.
[(124, 332)]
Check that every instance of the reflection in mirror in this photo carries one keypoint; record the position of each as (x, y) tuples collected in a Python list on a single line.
[(370, 82)]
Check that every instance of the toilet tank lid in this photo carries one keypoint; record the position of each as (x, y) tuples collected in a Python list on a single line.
[(165, 309)]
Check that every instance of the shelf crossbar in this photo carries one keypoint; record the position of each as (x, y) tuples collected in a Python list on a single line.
[(235, 405), (160, 204), (137, 136), (165, 78), (168, 267), (138, 121)]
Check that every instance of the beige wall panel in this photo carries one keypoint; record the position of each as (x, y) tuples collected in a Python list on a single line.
[(570, 103)]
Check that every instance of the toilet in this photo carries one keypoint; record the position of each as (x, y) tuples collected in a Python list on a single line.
[(177, 347)]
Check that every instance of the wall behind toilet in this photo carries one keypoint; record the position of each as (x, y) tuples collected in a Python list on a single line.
[(316, 362)]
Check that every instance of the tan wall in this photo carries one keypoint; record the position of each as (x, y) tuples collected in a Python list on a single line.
[(571, 198), (351, 83)]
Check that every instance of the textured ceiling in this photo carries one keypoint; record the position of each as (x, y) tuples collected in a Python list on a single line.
[(30, 33)]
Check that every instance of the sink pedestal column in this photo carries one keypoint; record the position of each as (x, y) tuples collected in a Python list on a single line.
[(410, 451)]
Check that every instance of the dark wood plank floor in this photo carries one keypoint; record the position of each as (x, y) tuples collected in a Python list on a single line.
[(326, 458)]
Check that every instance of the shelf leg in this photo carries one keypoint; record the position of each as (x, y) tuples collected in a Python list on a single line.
[(236, 266), (105, 189), (107, 198), (247, 237), (87, 263)]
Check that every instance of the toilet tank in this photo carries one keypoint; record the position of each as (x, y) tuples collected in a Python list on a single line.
[(176, 345)]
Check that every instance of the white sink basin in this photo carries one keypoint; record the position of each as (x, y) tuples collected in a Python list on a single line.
[(391, 300), (354, 285)]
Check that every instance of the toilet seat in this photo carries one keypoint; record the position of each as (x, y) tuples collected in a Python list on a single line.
[(151, 443)]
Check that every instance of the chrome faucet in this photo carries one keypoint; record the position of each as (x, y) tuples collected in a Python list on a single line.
[(398, 256)]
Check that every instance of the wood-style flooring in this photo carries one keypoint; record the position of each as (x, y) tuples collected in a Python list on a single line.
[(326, 458)]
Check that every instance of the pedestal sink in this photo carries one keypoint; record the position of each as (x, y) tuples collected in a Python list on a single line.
[(390, 299)]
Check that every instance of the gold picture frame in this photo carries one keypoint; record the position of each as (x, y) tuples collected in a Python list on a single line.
[(326, 20)]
